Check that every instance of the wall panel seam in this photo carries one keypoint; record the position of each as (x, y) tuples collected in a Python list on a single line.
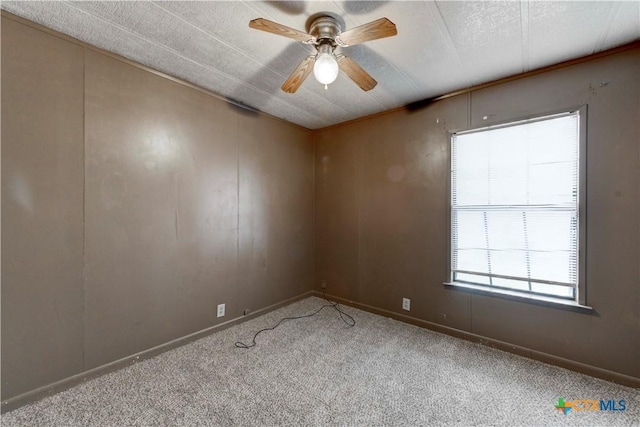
[(84, 209)]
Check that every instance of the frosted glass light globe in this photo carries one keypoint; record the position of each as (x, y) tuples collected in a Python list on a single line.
[(326, 68)]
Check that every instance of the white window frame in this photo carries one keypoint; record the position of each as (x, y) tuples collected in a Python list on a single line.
[(581, 289)]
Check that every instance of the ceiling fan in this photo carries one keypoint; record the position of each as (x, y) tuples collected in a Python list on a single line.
[(325, 34)]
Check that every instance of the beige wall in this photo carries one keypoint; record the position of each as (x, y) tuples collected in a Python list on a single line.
[(132, 206), (382, 203), (42, 205)]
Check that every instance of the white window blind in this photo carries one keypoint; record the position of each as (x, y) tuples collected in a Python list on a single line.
[(514, 206)]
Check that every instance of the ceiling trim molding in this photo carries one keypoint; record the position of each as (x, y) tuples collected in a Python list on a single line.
[(414, 105), (117, 57)]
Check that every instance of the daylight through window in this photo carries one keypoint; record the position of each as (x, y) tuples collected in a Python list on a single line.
[(515, 206)]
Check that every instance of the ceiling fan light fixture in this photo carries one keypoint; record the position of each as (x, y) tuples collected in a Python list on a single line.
[(326, 68), (325, 34)]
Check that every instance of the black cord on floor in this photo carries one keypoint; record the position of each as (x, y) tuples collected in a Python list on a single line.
[(350, 321)]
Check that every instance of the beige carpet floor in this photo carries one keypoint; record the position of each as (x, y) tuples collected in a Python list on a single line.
[(319, 371)]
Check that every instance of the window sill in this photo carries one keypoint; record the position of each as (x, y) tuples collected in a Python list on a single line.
[(517, 296)]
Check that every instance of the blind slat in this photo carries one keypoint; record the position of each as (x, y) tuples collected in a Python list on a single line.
[(515, 203)]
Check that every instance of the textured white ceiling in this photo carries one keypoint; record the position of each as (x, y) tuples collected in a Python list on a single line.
[(441, 46)]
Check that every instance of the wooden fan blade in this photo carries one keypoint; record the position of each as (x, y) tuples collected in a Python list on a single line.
[(281, 30), (356, 73), (299, 75), (378, 29)]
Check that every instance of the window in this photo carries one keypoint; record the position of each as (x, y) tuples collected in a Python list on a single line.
[(515, 207)]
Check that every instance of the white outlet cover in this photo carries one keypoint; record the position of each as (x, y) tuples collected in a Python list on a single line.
[(406, 304), (220, 310)]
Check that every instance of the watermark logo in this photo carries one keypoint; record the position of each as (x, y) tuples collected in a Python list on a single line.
[(590, 405), (563, 406)]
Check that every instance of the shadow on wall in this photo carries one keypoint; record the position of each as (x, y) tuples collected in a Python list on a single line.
[(416, 106), (241, 108)]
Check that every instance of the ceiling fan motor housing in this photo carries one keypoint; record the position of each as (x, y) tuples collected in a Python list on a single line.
[(325, 29)]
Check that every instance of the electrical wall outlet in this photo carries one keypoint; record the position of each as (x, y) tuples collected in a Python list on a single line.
[(406, 304), (323, 285), (220, 310)]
